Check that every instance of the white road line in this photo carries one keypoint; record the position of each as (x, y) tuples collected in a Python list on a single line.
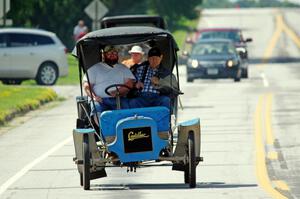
[(265, 81), (25, 169)]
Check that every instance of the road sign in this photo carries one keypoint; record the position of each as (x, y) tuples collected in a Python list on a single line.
[(6, 4), (96, 10)]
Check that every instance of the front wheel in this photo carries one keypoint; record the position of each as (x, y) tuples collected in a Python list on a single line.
[(86, 163), (190, 168), (47, 74)]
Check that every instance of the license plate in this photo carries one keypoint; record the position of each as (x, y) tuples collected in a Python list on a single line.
[(212, 71)]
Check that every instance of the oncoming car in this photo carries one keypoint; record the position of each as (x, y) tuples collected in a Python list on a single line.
[(31, 54), (233, 34), (214, 58)]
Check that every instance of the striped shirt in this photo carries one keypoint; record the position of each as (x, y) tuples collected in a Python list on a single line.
[(148, 87)]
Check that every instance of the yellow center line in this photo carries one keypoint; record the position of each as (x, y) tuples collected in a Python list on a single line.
[(275, 37), (263, 121), (268, 119), (272, 155), (261, 168), (281, 185), (291, 34)]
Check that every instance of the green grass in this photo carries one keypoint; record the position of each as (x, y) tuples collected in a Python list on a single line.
[(73, 77), (184, 28), (19, 99)]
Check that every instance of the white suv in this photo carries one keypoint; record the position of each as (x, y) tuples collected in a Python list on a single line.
[(31, 54)]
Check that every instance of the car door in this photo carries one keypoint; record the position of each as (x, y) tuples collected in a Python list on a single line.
[(4, 57), (22, 52)]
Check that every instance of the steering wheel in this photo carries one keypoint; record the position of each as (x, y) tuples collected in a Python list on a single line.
[(117, 88)]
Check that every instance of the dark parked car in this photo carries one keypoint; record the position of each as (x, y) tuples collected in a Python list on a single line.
[(214, 58)]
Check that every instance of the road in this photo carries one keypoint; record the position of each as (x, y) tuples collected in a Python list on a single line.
[(250, 140)]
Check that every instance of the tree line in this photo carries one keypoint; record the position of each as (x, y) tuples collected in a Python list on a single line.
[(60, 16)]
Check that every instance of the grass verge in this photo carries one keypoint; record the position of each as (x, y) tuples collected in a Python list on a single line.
[(21, 99), (184, 27)]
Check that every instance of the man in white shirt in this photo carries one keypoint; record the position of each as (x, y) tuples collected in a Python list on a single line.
[(104, 74)]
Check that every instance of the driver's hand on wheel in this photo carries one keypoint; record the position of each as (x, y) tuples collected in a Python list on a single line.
[(113, 93), (97, 98)]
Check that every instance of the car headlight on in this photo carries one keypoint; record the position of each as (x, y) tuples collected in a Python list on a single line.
[(194, 63), (230, 63)]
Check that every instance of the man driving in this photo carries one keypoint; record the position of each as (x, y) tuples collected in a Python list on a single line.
[(104, 74)]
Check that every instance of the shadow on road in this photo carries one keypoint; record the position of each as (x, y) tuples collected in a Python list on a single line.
[(210, 185)]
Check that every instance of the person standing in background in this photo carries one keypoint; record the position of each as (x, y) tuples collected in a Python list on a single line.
[(79, 30)]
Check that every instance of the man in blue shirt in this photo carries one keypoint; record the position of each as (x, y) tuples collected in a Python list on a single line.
[(147, 79)]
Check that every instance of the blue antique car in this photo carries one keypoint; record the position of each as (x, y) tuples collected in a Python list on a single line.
[(132, 137)]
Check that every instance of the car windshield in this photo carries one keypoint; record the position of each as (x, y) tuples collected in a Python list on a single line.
[(232, 35), (213, 48)]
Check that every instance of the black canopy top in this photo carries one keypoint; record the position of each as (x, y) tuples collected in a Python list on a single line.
[(131, 20), (89, 46)]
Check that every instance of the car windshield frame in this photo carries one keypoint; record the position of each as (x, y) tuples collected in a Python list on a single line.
[(213, 49)]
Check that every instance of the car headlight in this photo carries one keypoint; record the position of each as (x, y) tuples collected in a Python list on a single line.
[(194, 63), (230, 63)]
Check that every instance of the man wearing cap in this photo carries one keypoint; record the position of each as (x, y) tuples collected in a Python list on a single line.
[(104, 74), (147, 77), (136, 54)]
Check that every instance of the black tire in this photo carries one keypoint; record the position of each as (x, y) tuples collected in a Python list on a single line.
[(192, 160), (81, 179), (237, 79), (190, 167), (86, 163), (189, 79), (245, 73), (12, 82), (47, 74), (186, 174)]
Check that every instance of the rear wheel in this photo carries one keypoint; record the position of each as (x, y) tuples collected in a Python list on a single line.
[(47, 74), (86, 163)]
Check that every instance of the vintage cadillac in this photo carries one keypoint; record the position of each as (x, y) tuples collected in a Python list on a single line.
[(136, 137)]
